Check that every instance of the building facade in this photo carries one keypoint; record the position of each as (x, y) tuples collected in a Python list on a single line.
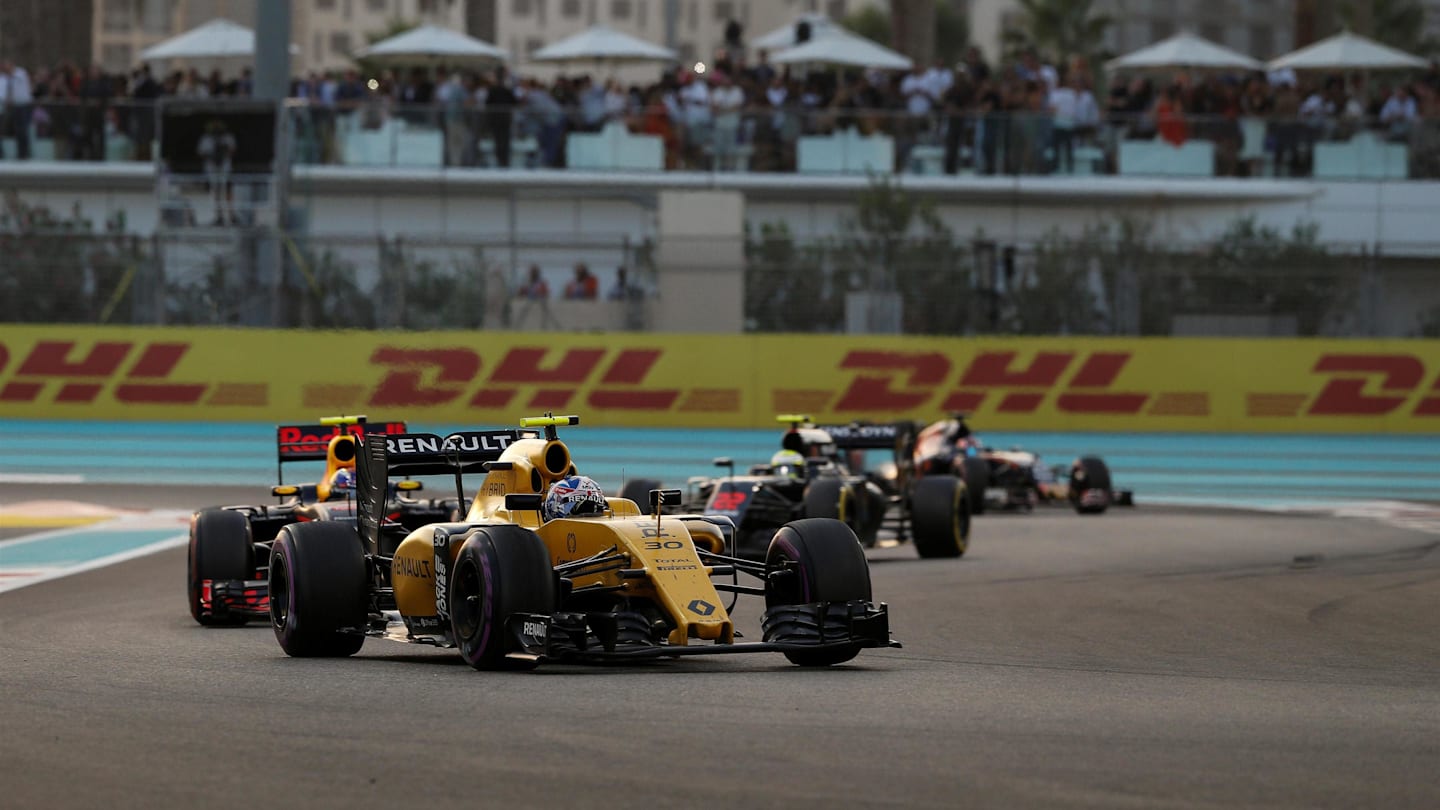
[(325, 32), (1262, 28)]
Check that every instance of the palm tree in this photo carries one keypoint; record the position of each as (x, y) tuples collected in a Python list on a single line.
[(1060, 28), (1397, 23)]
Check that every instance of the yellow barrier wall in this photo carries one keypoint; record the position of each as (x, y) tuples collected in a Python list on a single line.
[(1127, 384)]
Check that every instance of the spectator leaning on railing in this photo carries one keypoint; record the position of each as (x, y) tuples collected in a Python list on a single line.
[(17, 100)]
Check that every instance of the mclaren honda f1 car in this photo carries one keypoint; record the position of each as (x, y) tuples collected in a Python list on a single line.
[(518, 583), (230, 545), (820, 471), (1014, 478)]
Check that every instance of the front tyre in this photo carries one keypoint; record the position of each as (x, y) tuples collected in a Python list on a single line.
[(500, 571), (940, 516), (318, 590), (816, 560), (219, 552)]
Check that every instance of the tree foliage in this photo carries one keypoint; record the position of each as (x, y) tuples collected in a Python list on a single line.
[(1059, 28)]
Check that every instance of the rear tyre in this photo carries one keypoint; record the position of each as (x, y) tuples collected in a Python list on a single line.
[(940, 516), (219, 551), (829, 566), (500, 571), (317, 589), (638, 490), (832, 498), (976, 474), (1089, 473)]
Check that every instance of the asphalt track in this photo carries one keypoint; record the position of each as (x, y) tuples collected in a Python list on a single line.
[(1150, 658)]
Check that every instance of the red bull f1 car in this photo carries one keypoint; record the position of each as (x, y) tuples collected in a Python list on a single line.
[(1014, 478), (229, 551), (545, 567)]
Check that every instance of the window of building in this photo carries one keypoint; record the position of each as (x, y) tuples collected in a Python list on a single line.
[(620, 9), (429, 7), (347, 9), (533, 44), (1262, 41), (1161, 29), (686, 50), (724, 10), (319, 45), (836, 9), (643, 18), (375, 6), (1213, 31), (694, 16), (569, 9), (325, 5), (119, 16), (340, 42), (155, 17), (115, 56), (520, 8)]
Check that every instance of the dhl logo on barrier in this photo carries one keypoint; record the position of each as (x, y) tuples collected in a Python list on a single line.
[(1085, 383), (739, 380)]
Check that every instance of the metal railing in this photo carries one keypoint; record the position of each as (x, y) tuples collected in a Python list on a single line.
[(822, 140), (1249, 282)]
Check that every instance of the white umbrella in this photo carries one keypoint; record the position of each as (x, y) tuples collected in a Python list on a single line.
[(1185, 50), (1347, 51), (429, 43), (784, 37), (840, 47), (604, 45), (218, 38)]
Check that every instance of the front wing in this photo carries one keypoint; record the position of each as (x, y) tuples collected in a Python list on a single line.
[(787, 628)]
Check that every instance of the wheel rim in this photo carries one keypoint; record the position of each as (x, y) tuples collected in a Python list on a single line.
[(786, 589), (279, 592), (465, 606)]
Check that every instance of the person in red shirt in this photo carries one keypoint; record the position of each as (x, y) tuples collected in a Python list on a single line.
[(584, 286), (1170, 117), (535, 288)]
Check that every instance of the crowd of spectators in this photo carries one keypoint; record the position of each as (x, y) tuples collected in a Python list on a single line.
[(583, 286), (1025, 117)]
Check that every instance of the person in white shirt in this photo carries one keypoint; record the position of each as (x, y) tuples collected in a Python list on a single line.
[(726, 102), (938, 80), (1064, 102), (16, 102), (1399, 113), (695, 97), (918, 101)]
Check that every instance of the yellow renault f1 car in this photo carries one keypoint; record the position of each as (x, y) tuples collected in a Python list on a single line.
[(510, 589)]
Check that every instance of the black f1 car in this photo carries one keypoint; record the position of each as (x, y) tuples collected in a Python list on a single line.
[(230, 545), (1015, 478), (820, 472), (521, 580)]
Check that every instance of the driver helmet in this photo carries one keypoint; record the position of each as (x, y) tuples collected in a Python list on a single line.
[(788, 462), (573, 496), (342, 482)]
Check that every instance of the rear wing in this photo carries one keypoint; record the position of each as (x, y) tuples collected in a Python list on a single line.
[(408, 454), (311, 442), (858, 436)]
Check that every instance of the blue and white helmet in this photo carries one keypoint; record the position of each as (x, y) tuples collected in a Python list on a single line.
[(342, 482), (573, 496)]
